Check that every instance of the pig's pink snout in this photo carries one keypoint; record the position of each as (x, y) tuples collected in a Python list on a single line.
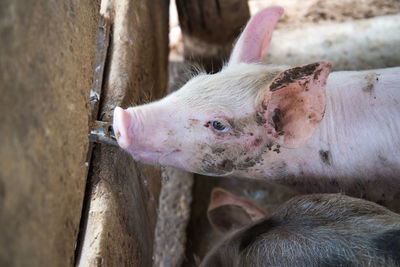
[(121, 126)]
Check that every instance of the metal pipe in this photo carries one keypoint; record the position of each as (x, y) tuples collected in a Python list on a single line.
[(102, 132)]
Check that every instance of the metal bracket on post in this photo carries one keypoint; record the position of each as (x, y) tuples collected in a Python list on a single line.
[(102, 132), (98, 132)]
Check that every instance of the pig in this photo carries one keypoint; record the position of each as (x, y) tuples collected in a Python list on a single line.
[(300, 126), (307, 230)]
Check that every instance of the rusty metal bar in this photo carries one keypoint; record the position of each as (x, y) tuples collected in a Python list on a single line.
[(102, 43), (102, 132)]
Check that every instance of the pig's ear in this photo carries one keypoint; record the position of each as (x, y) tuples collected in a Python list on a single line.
[(254, 40), (295, 103), (228, 212)]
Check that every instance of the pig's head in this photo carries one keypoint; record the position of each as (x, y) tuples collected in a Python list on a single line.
[(218, 124)]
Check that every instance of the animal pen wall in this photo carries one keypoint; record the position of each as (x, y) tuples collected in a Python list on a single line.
[(65, 65)]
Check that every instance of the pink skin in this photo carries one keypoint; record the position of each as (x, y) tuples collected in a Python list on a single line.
[(258, 31)]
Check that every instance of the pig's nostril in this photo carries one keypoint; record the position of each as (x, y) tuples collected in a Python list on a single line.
[(117, 135), (121, 126), (113, 135)]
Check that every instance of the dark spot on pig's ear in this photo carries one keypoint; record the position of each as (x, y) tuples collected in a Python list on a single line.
[(277, 119), (317, 73), (389, 244), (325, 156), (292, 75), (305, 85), (250, 235)]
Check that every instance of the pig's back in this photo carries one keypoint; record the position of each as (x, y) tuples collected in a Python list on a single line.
[(362, 122)]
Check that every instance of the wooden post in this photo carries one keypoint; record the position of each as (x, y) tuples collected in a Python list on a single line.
[(209, 28), (123, 195), (46, 61)]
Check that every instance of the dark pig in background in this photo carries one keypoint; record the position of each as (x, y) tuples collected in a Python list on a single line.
[(300, 126), (307, 230)]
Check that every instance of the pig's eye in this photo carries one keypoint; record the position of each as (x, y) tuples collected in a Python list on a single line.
[(219, 126)]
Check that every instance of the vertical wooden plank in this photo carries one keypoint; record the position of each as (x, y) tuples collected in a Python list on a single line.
[(173, 218), (122, 209), (175, 200), (46, 59), (209, 28)]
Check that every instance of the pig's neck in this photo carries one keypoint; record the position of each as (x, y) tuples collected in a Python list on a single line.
[(359, 136)]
